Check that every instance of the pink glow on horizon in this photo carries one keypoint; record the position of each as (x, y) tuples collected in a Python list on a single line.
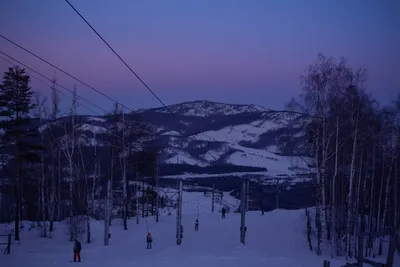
[(206, 49)]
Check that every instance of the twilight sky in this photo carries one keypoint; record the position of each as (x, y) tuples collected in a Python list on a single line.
[(233, 51)]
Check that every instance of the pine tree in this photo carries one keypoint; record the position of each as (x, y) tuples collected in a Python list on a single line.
[(15, 107)]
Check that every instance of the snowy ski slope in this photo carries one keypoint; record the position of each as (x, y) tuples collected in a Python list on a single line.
[(274, 240)]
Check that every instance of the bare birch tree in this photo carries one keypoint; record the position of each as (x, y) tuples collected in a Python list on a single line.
[(355, 145), (54, 148), (69, 148), (41, 114)]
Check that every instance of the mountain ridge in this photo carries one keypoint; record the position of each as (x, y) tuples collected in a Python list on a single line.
[(201, 108), (202, 136), (205, 133)]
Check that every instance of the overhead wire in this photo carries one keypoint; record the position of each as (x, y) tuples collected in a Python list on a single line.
[(63, 87), (43, 82), (120, 58), (62, 93), (126, 64), (96, 90), (67, 74), (43, 76), (131, 70), (64, 72), (77, 79), (123, 61), (103, 94)]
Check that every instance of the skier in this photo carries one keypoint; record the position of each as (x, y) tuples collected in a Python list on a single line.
[(223, 212), (149, 240), (181, 231), (77, 250), (196, 225)]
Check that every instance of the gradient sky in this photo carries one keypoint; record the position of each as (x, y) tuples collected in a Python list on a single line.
[(234, 51)]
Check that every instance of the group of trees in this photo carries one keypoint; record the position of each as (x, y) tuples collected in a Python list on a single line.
[(17, 134), (131, 164), (48, 174), (355, 147)]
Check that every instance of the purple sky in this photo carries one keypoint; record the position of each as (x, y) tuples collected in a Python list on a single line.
[(227, 50)]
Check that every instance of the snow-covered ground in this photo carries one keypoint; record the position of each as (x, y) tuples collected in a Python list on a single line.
[(275, 239), (237, 133)]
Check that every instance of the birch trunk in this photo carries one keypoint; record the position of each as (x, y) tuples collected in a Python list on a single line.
[(325, 143), (364, 206), (59, 203), (318, 196), (42, 191), (52, 199), (124, 182), (69, 153), (55, 100), (386, 204), (350, 204), (86, 196), (379, 204), (356, 212), (40, 112), (96, 175), (109, 201), (396, 219), (371, 203), (333, 204)]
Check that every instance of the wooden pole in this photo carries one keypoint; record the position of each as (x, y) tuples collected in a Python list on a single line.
[(243, 213), (198, 209), (179, 216), (9, 244), (157, 199), (213, 199), (107, 215), (247, 195), (277, 193), (137, 195)]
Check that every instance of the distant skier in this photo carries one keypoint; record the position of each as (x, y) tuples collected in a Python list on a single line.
[(149, 240), (181, 231), (196, 225), (77, 250), (223, 212)]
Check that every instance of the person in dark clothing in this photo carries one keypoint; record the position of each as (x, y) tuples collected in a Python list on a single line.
[(149, 240), (77, 250), (196, 225), (223, 212)]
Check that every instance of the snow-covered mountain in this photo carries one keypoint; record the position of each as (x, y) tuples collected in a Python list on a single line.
[(204, 134), (204, 108)]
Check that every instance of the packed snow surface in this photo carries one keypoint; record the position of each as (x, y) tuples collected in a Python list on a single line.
[(96, 119), (92, 128), (276, 239)]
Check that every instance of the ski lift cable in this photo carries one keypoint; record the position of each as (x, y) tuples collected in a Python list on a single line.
[(43, 82), (61, 86), (124, 62), (101, 93)]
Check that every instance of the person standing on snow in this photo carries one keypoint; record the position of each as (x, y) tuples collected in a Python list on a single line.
[(149, 240), (77, 250), (223, 212), (196, 225)]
